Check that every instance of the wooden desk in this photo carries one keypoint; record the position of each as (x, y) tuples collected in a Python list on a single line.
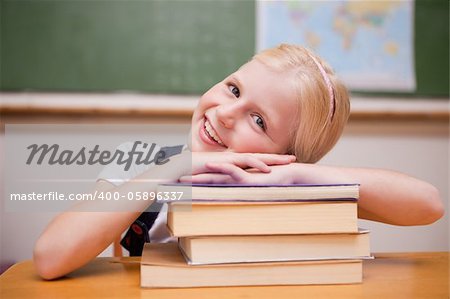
[(399, 275)]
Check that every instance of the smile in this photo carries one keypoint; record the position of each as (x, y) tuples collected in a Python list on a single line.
[(211, 133)]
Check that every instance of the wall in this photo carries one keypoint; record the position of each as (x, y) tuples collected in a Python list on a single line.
[(419, 149)]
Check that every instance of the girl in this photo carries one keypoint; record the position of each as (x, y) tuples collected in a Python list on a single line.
[(266, 123)]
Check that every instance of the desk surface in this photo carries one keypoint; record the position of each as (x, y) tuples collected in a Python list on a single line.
[(393, 275)]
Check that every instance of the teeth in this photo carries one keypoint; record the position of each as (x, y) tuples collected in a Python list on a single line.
[(212, 133)]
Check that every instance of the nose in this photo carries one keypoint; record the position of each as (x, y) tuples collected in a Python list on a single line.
[(227, 114)]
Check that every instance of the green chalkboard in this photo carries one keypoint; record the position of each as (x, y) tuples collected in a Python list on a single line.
[(432, 47), (149, 46), (162, 46)]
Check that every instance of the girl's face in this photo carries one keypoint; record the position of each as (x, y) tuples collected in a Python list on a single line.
[(251, 111)]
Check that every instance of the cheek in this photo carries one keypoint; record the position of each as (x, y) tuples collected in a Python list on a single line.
[(212, 97), (202, 105), (189, 140), (247, 141)]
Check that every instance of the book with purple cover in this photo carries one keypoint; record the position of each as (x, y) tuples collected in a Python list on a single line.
[(271, 193)]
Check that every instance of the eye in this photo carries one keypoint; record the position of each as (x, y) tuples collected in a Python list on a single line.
[(259, 121), (234, 90)]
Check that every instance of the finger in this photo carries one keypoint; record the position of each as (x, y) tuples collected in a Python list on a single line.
[(252, 162), (273, 159), (211, 178), (185, 179), (236, 173)]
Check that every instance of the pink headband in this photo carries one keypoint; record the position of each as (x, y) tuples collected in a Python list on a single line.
[(329, 86)]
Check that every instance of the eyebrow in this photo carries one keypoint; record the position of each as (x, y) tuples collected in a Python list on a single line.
[(234, 77)]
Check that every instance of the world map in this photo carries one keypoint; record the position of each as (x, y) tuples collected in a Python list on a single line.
[(368, 43)]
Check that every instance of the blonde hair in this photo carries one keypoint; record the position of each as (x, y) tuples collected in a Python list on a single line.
[(324, 104)]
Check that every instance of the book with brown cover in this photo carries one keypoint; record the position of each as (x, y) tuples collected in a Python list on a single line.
[(163, 266), (261, 218), (268, 248)]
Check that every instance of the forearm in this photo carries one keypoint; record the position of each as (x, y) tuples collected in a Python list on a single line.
[(385, 196), (74, 238)]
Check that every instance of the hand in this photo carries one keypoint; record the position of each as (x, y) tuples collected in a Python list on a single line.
[(227, 173), (260, 162)]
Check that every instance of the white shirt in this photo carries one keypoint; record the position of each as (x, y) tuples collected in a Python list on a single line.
[(116, 175)]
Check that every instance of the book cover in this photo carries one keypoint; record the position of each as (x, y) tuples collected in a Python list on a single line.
[(261, 218), (163, 266), (292, 192), (266, 248)]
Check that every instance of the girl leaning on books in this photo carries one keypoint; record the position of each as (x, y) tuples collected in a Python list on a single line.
[(267, 123)]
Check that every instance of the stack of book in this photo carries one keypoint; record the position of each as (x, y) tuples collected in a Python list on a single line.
[(259, 235)]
